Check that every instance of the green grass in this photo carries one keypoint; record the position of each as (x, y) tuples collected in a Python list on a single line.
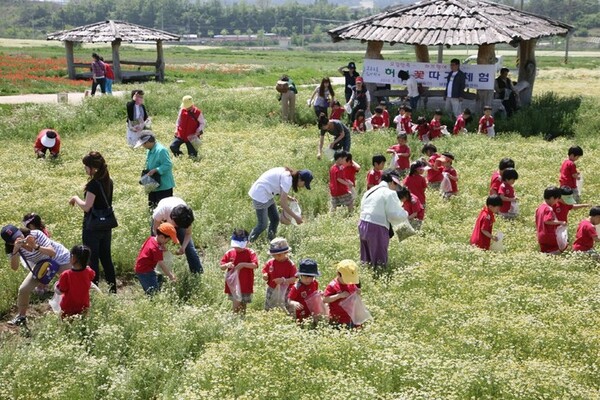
[(449, 322)]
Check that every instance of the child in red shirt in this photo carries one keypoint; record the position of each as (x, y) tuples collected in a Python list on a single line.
[(565, 204), (546, 222), (402, 153), (482, 235), (374, 175), (278, 271), (496, 179), (448, 170), (413, 207), (243, 261), (377, 120), (422, 129), (337, 111), (435, 126), (406, 121), (434, 173), (359, 122), (506, 192), (385, 114), (587, 235), (306, 287), (151, 256), (351, 168), (460, 126), (415, 182), (486, 123), (339, 185), (74, 284), (568, 171), (338, 289)]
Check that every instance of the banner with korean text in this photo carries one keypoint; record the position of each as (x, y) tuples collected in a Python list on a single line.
[(429, 74)]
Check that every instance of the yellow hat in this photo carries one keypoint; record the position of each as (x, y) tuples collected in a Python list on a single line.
[(349, 271), (187, 102)]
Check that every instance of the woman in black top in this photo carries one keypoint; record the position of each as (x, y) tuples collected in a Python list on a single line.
[(98, 194)]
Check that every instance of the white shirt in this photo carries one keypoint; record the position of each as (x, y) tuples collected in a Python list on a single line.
[(162, 212), (138, 112), (380, 205), (411, 86), (62, 256), (450, 83), (270, 183)]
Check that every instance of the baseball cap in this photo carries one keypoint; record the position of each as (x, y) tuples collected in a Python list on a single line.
[(168, 229), (239, 238), (308, 267), (49, 139), (351, 65), (394, 175), (359, 79), (10, 233), (306, 177), (187, 101), (145, 136), (278, 246), (349, 271)]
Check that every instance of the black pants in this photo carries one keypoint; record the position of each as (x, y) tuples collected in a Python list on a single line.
[(101, 82), (99, 243)]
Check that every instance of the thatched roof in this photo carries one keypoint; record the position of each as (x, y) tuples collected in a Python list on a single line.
[(451, 22), (109, 31)]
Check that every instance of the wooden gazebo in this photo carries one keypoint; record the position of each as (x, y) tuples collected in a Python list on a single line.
[(116, 32), (457, 22)]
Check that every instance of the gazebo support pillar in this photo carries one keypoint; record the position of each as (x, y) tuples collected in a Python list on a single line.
[(527, 69), (421, 53), (70, 59), (485, 55), (160, 62), (116, 44), (373, 53)]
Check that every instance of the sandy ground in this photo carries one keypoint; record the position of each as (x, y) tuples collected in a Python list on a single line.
[(72, 98)]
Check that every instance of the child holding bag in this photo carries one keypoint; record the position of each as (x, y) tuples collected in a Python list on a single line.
[(279, 273), (239, 263)]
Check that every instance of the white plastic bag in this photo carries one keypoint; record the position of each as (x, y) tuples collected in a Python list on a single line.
[(295, 207), (580, 184), (195, 141), (497, 245), (514, 208), (368, 125), (394, 160), (278, 297), (148, 183), (315, 304), (445, 131), (404, 231), (329, 152), (446, 185), (491, 131), (55, 301), (233, 283), (348, 108), (562, 237), (356, 309)]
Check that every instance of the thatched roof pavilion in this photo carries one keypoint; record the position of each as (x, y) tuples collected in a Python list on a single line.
[(114, 32), (455, 22)]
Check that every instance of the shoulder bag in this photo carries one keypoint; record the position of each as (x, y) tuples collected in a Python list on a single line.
[(99, 219), (44, 270)]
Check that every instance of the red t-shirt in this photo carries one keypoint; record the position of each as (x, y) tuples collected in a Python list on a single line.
[(561, 210), (459, 125), (359, 125), (485, 222), (246, 274), (75, 286), (506, 190), (405, 122), (278, 269), (567, 169), (109, 72), (337, 113), (423, 130), (585, 237), (38, 146), (414, 205), (378, 121), (402, 162), (495, 183), (386, 118), (336, 312), (350, 172), (546, 234), (374, 177), (485, 122), (337, 188), (435, 175), (299, 292), (188, 122), (151, 254), (435, 129), (416, 184), (452, 172)]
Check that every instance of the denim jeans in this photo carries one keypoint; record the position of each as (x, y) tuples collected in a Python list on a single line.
[(272, 215), (108, 86), (190, 253), (101, 82), (99, 243), (414, 102), (176, 144), (149, 282)]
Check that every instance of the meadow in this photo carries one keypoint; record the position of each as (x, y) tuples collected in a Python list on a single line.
[(450, 321)]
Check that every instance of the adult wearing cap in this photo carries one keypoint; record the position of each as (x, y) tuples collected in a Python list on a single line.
[(337, 129), (350, 75), (276, 181), (176, 212), (137, 116), (360, 99), (47, 140), (287, 97), (31, 246), (190, 124), (159, 166), (380, 210), (151, 256)]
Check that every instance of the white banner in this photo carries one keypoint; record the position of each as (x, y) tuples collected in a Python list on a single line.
[(429, 74)]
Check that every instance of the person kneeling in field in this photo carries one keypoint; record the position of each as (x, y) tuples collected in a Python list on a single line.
[(587, 236), (151, 255), (74, 284), (482, 233), (342, 286)]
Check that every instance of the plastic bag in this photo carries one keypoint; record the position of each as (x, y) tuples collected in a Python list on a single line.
[(168, 259), (445, 130), (232, 278), (562, 237), (368, 125), (404, 231), (278, 297), (394, 160), (148, 183), (497, 245), (514, 208), (195, 141), (491, 131), (356, 309), (315, 304), (329, 152), (580, 184), (348, 108), (446, 185), (55, 300)]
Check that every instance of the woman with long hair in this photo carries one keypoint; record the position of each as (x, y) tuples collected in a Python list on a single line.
[(325, 96), (98, 194)]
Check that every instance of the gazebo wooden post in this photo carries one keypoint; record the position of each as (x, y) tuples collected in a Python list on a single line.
[(160, 62), (527, 69), (116, 44), (70, 59), (421, 53), (485, 55), (373, 53)]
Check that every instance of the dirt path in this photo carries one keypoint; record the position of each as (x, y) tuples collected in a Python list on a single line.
[(72, 98)]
